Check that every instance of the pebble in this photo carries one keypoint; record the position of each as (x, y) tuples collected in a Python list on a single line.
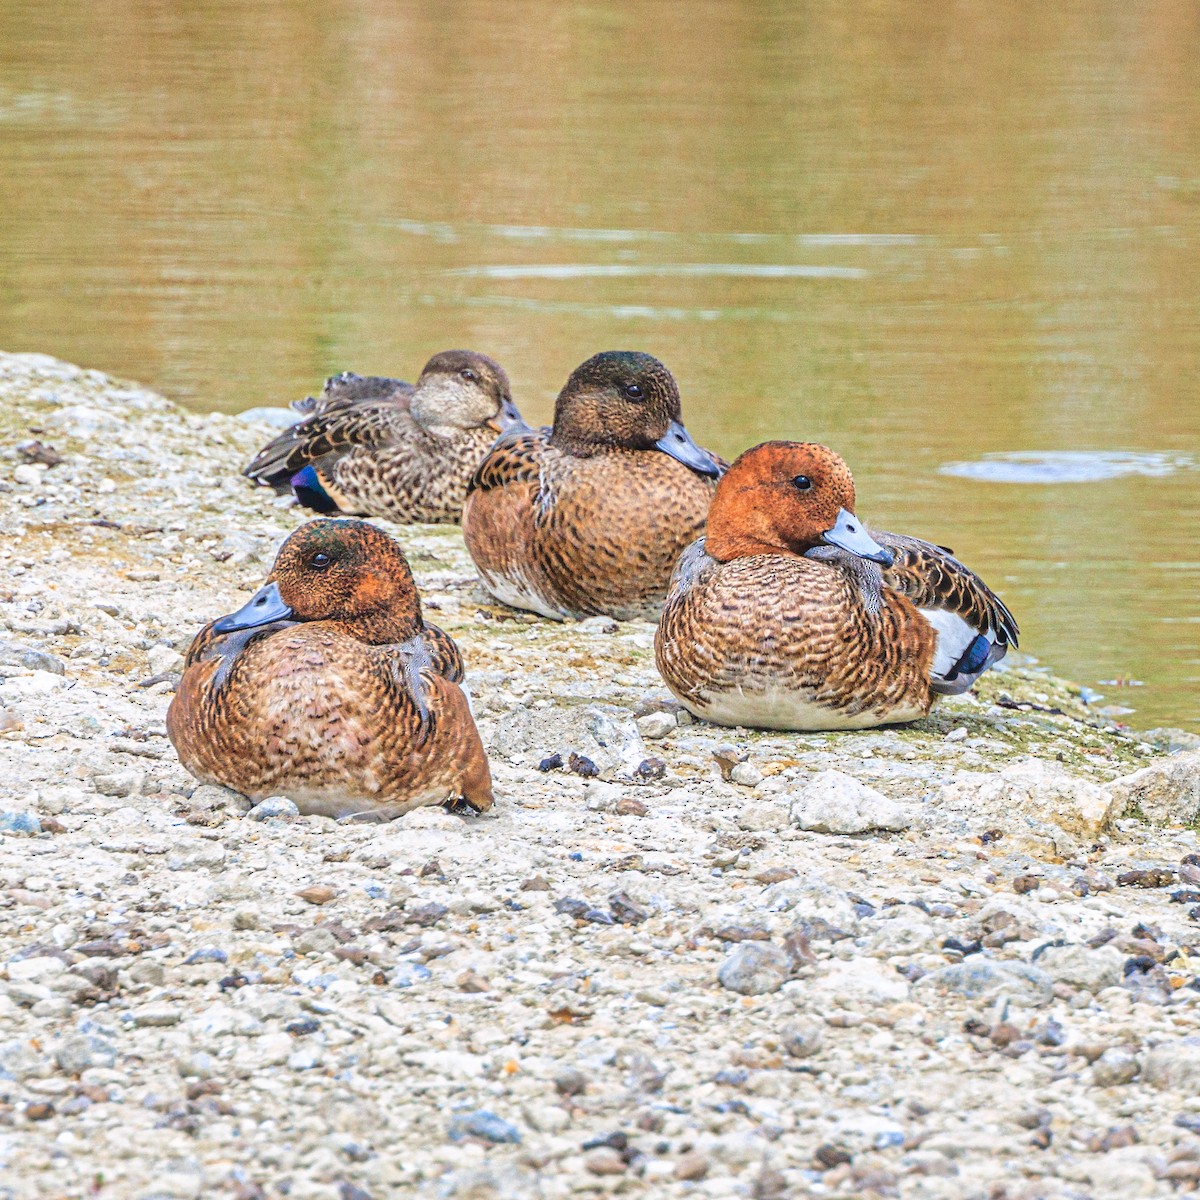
[(155, 1015), (657, 725), (755, 968), (746, 774), (803, 1039), (482, 1124), (1114, 1067), (274, 808)]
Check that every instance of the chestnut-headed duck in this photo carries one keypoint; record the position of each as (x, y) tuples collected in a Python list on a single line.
[(384, 448), (329, 688), (790, 614), (589, 517)]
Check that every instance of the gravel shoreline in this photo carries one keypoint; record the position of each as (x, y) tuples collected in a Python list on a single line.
[(948, 960)]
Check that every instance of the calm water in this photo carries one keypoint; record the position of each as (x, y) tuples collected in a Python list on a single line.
[(961, 244)]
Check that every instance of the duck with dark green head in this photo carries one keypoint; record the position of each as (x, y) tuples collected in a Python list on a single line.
[(328, 687), (588, 517)]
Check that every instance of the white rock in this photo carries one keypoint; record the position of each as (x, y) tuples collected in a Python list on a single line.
[(762, 817), (37, 969), (1082, 966), (1027, 795), (27, 474), (746, 774), (1167, 792), (197, 856), (834, 802), (657, 724), (862, 980)]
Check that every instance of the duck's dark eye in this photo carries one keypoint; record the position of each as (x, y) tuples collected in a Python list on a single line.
[(320, 561), (633, 391), (802, 483), (468, 374)]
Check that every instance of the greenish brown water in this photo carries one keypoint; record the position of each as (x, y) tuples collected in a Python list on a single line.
[(927, 234)]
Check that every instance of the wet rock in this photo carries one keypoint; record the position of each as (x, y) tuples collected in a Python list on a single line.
[(982, 979), (833, 802), (1166, 792), (754, 969), (482, 1124), (274, 808)]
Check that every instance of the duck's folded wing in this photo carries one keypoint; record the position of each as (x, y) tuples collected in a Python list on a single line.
[(974, 627), (336, 427), (515, 457), (444, 655)]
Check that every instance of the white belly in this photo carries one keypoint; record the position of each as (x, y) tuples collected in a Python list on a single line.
[(785, 708)]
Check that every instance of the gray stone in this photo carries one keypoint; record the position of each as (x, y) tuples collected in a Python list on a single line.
[(156, 1015), (482, 1124), (1174, 1064), (983, 979), (834, 802), (118, 783), (1166, 792), (32, 658), (197, 856), (1083, 966), (314, 941), (803, 1039), (1115, 1067), (657, 724), (754, 969), (745, 774), (19, 823), (274, 808)]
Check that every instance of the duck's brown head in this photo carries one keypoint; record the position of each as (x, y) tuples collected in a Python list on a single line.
[(786, 498), (623, 399), (460, 389), (342, 570)]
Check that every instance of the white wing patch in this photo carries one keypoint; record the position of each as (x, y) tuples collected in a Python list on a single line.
[(954, 635)]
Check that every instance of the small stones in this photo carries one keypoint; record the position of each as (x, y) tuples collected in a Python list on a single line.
[(197, 856), (834, 802), (314, 941), (485, 1125), (605, 1162), (625, 910), (631, 806), (727, 758), (657, 725), (40, 1111), (649, 769), (755, 968), (1147, 877), (274, 808), (318, 894)]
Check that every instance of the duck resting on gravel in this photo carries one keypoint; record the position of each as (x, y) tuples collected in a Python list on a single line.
[(790, 614), (327, 687), (380, 447), (588, 517)]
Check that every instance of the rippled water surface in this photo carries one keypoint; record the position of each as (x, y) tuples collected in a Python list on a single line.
[(959, 243)]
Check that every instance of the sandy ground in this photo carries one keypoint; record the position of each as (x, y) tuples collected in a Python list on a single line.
[(657, 977)]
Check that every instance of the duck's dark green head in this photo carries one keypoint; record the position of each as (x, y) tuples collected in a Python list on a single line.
[(629, 400), (342, 570)]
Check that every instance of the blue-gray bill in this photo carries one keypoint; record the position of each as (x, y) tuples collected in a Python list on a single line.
[(677, 442), (849, 533), (264, 607)]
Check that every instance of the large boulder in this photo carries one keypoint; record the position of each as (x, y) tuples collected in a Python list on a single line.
[(1166, 792)]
